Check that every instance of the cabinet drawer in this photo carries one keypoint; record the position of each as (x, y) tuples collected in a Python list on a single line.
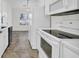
[(67, 53)]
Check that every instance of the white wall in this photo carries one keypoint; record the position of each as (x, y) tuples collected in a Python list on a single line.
[(68, 23), (17, 9), (16, 20), (39, 21)]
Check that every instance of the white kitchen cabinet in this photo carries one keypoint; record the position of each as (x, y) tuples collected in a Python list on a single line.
[(52, 1), (1, 44), (47, 4), (4, 13), (59, 6), (70, 49), (5, 37), (46, 7), (54, 6), (3, 41), (67, 53), (71, 4)]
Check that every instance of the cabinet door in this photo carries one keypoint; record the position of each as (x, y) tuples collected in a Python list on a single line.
[(5, 37), (3, 41), (52, 1), (4, 12), (54, 6), (1, 44), (46, 7), (68, 53), (72, 4), (47, 4)]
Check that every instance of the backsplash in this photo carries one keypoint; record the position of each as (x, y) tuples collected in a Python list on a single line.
[(68, 23), (72, 24)]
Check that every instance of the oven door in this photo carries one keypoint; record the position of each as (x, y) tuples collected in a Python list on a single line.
[(47, 48), (50, 48)]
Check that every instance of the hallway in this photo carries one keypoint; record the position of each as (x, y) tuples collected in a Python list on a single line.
[(20, 47)]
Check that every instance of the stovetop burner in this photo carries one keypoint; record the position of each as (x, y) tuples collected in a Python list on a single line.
[(62, 34)]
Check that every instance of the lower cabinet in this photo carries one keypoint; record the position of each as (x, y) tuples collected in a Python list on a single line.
[(3, 41), (1, 44), (69, 52)]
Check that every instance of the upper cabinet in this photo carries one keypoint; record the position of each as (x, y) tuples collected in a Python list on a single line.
[(46, 7), (71, 4), (4, 13), (59, 6)]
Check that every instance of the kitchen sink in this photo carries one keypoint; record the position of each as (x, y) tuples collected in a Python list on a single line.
[(62, 34)]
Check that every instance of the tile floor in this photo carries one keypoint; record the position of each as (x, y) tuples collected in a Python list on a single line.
[(20, 47)]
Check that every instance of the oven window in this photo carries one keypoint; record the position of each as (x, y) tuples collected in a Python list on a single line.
[(46, 48)]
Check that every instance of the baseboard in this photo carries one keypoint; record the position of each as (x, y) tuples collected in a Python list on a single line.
[(31, 46)]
